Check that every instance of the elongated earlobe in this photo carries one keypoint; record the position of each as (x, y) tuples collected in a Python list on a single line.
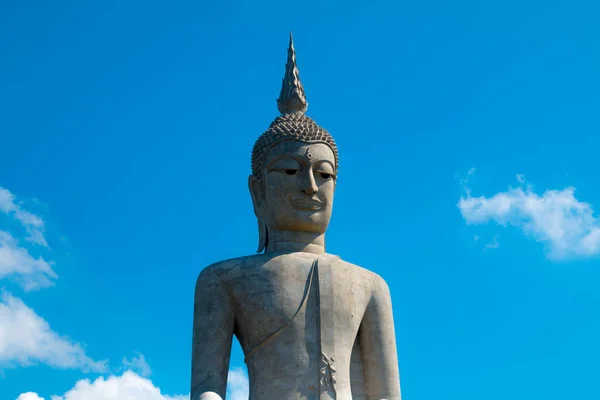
[(258, 203), (262, 235)]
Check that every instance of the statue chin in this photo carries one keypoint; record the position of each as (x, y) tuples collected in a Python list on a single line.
[(304, 226), (310, 222)]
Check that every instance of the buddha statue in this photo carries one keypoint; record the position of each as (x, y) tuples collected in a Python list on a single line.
[(311, 325)]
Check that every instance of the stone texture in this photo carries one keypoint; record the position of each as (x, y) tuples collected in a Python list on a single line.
[(312, 326)]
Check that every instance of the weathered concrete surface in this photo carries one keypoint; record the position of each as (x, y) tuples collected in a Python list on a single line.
[(256, 296)]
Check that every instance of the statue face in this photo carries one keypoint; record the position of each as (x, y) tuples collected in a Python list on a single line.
[(299, 182)]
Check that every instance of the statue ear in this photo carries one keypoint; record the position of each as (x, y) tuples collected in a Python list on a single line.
[(256, 194), (258, 202)]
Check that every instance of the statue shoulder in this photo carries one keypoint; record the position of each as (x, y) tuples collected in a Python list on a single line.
[(222, 271), (376, 283)]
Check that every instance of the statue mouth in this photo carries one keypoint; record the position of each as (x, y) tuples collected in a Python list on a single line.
[(305, 204)]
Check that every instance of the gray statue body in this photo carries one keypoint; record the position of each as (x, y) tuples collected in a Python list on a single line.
[(253, 297), (311, 325)]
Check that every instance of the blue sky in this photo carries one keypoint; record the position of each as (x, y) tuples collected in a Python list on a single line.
[(468, 139)]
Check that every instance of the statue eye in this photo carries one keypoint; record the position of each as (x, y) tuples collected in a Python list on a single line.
[(325, 175), (285, 165)]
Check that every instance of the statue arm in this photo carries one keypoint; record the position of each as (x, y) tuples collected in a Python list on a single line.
[(378, 346), (211, 340)]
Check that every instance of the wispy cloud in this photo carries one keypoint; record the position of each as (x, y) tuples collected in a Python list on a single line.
[(237, 385), (16, 263), (494, 244), (33, 224), (27, 339), (566, 225), (137, 364), (464, 180)]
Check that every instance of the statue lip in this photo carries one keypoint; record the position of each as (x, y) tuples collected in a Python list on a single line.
[(307, 204)]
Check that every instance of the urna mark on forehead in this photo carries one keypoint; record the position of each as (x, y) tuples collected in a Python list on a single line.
[(314, 153), (290, 127)]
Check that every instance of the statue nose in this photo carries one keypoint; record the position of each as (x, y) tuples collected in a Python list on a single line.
[(308, 184)]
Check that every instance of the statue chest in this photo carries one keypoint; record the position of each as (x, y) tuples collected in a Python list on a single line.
[(307, 307)]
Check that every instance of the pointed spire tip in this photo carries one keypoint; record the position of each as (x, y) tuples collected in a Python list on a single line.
[(292, 97)]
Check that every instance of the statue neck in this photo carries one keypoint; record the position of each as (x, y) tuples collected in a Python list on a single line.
[(290, 242)]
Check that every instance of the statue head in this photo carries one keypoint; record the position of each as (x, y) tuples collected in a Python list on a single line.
[(294, 166)]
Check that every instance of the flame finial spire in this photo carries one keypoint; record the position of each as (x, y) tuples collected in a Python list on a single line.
[(291, 98)]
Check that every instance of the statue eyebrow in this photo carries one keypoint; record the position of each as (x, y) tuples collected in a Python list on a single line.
[(302, 160), (296, 158), (319, 162)]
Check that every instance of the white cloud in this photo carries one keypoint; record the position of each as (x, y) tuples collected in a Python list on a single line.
[(138, 364), (237, 385), (556, 218), (128, 386), (27, 339), (16, 262), (131, 386), (33, 224), (29, 396)]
